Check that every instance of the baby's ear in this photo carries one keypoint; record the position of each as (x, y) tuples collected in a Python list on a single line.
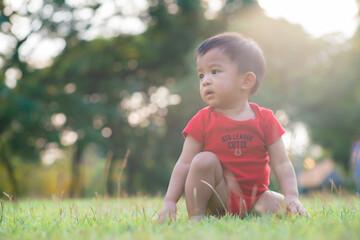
[(249, 80)]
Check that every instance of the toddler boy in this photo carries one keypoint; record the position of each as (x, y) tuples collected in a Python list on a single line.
[(231, 144)]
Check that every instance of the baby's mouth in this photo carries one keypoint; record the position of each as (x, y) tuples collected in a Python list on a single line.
[(209, 93)]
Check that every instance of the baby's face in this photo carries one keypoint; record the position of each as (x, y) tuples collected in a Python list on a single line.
[(220, 81)]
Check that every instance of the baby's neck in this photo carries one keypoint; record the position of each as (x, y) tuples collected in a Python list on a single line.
[(240, 112)]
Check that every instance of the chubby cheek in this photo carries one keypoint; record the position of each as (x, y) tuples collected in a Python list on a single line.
[(202, 94), (201, 90), (223, 88)]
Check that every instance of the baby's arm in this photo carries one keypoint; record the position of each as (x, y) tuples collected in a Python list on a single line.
[(284, 171), (178, 177)]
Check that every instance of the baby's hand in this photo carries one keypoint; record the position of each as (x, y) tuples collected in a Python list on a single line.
[(294, 206), (168, 208)]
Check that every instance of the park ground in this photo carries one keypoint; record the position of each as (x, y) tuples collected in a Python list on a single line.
[(332, 216)]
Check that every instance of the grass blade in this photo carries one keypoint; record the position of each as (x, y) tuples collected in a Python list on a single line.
[(217, 195)]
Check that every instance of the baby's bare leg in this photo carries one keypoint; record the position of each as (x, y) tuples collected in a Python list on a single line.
[(198, 195), (271, 202)]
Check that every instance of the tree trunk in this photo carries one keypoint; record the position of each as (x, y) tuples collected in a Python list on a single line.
[(76, 185), (131, 170), (108, 174), (4, 157)]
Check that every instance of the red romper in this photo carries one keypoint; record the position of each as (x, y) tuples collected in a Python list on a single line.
[(241, 147)]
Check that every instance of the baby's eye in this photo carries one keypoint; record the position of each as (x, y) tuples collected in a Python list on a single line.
[(215, 71), (201, 75)]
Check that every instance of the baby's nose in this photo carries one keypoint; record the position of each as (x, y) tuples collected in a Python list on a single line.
[(206, 80)]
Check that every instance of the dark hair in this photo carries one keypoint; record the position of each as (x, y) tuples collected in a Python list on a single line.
[(245, 52)]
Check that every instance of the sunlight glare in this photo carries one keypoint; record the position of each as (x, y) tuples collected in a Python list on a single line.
[(70, 88), (309, 163), (297, 138), (58, 120), (51, 153), (212, 8), (39, 51), (318, 17), (106, 132), (68, 137), (141, 108), (12, 75)]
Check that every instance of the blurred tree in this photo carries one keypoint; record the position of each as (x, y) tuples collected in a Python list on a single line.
[(21, 121), (70, 101), (335, 115), (125, 91), (314, 80), (113, 94), (24, 118)]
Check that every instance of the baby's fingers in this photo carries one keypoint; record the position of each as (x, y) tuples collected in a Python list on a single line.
[(295, 207), (292, 208), (172, 215), (302, 211), (164, 215), (161, 217)]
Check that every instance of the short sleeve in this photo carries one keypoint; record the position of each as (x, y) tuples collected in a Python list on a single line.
[(195, 128), (273, 129)]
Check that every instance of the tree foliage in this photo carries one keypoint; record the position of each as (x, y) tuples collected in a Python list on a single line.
[(117, 91), (314, 80), (90, 82)]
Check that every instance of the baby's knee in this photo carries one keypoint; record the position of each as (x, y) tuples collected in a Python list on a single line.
[(269, 201), (205, 161)]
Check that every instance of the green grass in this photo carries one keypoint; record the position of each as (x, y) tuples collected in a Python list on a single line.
[(332, 217)]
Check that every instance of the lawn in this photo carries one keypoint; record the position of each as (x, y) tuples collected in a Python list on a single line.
[(332, 217)]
